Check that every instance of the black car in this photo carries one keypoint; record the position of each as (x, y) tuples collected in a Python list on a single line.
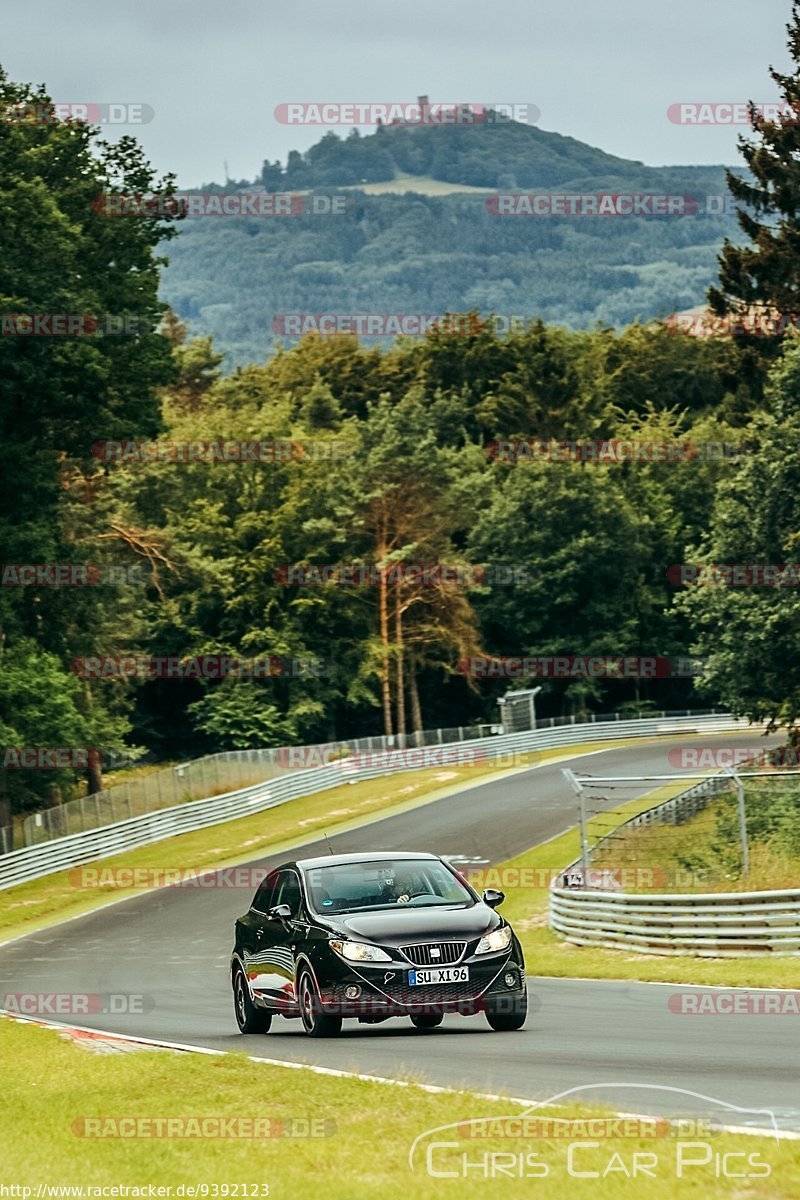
[(374, 936)]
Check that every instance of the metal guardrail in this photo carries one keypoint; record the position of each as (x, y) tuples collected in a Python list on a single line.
[(711, 925), (215, 774), (60, 854)]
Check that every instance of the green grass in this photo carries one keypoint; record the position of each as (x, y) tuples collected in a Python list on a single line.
[(526, 907), (31, 906), (694, 857), (50, 1083), (423, 185)]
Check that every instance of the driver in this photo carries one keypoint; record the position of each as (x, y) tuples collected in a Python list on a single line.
[(406, 886)]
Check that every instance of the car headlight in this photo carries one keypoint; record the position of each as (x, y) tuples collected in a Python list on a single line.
[(497, 940), (360, 952)]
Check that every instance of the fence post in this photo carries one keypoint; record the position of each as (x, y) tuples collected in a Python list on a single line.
[(742, 822), (578, 790)]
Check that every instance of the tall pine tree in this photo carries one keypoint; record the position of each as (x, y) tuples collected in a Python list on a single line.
[(766, 274)]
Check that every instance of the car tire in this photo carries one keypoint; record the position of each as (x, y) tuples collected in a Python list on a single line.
[(249, 1018), (507, 1017), (316, 1022), (426, 1020)]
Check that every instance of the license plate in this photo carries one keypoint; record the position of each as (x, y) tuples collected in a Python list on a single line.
[(438, 975)]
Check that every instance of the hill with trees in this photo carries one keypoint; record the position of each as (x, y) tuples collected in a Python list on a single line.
[(415, 253)]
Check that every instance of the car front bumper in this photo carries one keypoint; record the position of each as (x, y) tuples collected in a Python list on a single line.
[(385, 993)]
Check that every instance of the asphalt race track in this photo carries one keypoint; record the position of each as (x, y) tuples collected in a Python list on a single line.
[(173, 946)]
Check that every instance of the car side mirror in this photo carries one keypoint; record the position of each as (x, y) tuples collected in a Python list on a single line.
[(281, 912), (493, 898)]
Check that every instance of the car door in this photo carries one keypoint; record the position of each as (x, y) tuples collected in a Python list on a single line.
[(254, 932), (283, 937)]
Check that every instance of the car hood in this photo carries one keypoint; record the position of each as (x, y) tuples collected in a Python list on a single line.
[(398, 925)]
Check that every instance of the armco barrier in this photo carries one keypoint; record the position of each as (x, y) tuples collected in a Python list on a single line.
[(136, 794), (710, 925), (61, 853)]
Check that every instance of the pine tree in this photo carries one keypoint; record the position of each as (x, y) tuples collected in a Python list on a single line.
[(767, 273)]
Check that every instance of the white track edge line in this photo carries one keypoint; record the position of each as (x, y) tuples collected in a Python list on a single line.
[(436, 1089)]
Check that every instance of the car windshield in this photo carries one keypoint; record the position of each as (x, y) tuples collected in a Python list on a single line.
[(417, 883)]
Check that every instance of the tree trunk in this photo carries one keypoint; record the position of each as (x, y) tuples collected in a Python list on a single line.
[(413, 692), (94, 773), (400, 674), (386, 692)]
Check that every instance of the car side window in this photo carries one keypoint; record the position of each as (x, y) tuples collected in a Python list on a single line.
[(263, 900), (288, 892)]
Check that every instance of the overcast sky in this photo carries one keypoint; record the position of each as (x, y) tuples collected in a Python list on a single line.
[(604, 72)]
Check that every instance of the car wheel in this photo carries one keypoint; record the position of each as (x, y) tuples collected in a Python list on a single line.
[(315, 1022), (249, 1018), (426, 1020), (509, 1014)]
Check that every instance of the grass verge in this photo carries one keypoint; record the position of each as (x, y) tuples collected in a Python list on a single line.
[(525, 879), (52, 1087), (703, 854)]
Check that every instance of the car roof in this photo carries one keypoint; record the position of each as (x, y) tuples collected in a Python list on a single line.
[(336, 860)]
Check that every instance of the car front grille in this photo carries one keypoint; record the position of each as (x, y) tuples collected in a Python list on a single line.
[(439, 993), (434, 954)]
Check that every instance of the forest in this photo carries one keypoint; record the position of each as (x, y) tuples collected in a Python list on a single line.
[(350, 538)]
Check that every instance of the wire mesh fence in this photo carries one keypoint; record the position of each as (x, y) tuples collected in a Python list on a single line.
[(712, 871), (737, 828), (630, 840), (213, 775)]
